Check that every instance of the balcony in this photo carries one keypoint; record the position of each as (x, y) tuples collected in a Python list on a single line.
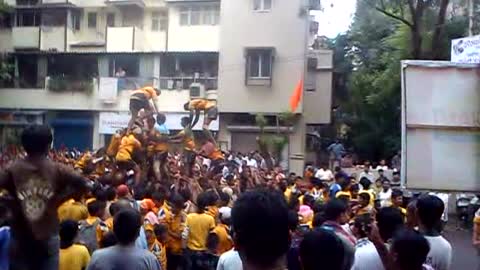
[(69, 84), (125, 39), (26, 38), (133, 83), (126, 3), (183, 83)]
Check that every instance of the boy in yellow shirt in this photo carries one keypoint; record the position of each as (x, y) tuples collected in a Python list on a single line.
[(93, 228), (161, 233), (72, 209), (114, 144), (143, 98), (129, 144), (186, 138), (72, 256), (154, 246), (222, 230), (157, 150), (210, 113), (175, 222), (198, 227)]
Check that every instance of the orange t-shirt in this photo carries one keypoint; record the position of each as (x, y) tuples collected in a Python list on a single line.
[(149, 92), (201, 104)]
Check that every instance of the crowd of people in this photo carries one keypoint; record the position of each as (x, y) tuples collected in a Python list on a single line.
[(150, 200), (230, 215)]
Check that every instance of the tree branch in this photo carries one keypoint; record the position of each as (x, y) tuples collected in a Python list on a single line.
[(393, 16)]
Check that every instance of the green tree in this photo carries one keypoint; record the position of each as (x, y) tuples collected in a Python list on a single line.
[(378, 39)]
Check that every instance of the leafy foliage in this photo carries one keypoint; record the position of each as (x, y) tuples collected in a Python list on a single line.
[(369, 102)]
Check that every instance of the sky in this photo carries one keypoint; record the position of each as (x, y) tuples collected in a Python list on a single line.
[(336, 17)]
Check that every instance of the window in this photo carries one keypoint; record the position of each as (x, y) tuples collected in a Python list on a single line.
[(262, 5), (159, 21), (195, 15), (76, 19), (259, 63), (92, 20), (200, 15), (53, 18), (110, 19), (184, 16), (211, 15), (28, 18)]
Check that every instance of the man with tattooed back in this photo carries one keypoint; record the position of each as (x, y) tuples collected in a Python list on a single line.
[(33, 188)]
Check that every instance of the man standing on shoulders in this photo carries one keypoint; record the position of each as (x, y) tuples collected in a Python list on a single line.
[(124, 255), (36, 187)]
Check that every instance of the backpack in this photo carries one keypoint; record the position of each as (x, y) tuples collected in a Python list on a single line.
[(87, 235)]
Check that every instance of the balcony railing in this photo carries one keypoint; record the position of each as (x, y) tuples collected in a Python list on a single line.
[(26, 37), (132, 83), (69, 84), (180, 83)]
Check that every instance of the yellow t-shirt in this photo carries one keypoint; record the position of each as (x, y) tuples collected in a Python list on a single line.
[(114, 145), (372, 196), (343, 193), (72, 210), (287, 193), (175, 225), (75, 257), (225, 241), (83, 161), (199, 226), (188, 142), (127, 146), (155, 146), (101, 229), (213, 211)]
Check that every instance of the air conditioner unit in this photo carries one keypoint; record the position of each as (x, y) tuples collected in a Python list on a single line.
[(197, 90)]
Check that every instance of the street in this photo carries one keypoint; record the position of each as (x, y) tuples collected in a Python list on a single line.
[(464, 255)]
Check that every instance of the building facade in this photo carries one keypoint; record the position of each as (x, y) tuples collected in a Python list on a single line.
[(73, 64)]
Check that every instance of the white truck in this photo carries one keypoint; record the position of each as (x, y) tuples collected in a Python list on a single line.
[(440, 126)]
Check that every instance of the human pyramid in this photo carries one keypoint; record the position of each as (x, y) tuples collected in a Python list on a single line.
[(143, 147)]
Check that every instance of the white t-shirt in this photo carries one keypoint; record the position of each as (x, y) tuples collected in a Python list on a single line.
[(368, 175), (380, 167), (366, 256), (324, 174), (385, 197), (252, 163), (230, 260), (440, 255)]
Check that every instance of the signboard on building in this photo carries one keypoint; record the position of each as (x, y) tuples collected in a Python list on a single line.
[(110, 122), (466, 50)]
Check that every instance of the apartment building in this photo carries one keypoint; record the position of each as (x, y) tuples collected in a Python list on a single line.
[(75, 62)]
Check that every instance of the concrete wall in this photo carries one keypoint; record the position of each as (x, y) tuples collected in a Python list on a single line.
[(318, 103), (52, 38), (282, 28), (184, 38), (120, 39), (25, 37), (41, 99), (98, 34), (6, 40)]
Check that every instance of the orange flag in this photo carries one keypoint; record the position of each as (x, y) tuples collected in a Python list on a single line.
[(296, 96)]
